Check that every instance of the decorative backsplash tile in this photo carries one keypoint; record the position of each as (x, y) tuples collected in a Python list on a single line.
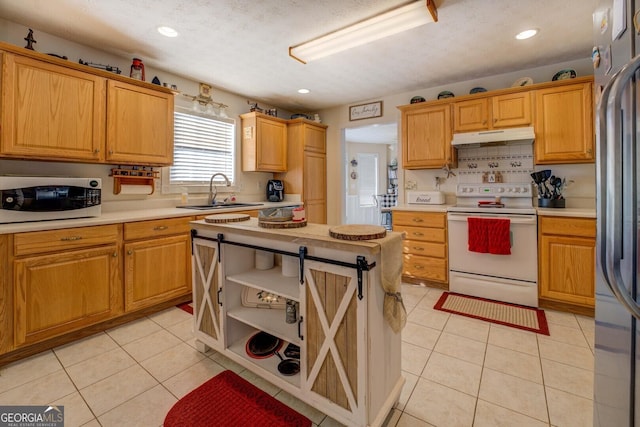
[(514, 163)]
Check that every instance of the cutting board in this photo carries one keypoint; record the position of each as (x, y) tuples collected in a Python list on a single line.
[(282, 224), (228, 217), (357, 232)]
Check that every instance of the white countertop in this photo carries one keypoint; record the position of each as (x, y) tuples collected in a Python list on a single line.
[(116, 217), (567, 212), (421, 208), (561, 212)]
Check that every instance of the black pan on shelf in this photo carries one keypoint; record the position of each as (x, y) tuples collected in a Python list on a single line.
[(262, 345), (288, 367)]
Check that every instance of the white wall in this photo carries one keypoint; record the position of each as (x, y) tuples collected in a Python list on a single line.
[(338, 118), (250, 185)]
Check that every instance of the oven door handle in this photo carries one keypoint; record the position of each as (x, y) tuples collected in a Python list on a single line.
[(515, 219)]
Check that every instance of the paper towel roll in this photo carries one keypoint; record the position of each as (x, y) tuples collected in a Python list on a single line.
[(290, 266), (136, 189), (264, 260)]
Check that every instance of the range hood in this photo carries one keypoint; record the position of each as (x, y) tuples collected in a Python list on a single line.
[(512, 136)]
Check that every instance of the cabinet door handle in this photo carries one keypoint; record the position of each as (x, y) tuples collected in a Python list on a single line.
[(160, 228), (71, 238), (416, 248), (418, 267), (417, 220), (417, 233), (130, 252), (219, 301), (115, 254), (299, 329), (96, 151), (110, 151)]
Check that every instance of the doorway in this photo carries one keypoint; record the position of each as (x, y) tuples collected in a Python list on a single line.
[(370, 153)]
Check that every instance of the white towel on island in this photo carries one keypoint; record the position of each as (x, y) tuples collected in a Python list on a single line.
[(391, 271)]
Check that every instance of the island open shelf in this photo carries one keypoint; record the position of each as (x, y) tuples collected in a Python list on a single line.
[(270, 280)]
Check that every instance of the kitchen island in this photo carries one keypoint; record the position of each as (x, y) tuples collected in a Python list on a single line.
[(349, 365)]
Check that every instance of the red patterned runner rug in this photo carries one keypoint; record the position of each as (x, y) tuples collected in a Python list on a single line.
[(228, 400), (503, 313), (186, 306)]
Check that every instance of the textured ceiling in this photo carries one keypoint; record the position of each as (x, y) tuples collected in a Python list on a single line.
[(242, 45)]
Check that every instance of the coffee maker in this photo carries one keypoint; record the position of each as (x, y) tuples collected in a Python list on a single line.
[(275, 190)]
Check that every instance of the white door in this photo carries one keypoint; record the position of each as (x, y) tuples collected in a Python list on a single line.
[(362, 207)]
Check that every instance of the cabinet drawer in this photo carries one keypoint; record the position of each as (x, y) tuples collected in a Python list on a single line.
[(421, 219), (68, 238), (437, 235), (577, 227), (155, 228), (417, 247), (425, 268)]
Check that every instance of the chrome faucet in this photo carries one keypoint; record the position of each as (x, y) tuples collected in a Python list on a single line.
[(212, 193)]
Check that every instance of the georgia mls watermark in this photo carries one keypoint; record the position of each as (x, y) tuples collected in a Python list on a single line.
[(32, 416)]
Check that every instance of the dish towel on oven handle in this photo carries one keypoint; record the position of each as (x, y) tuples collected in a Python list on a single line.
[(499, 236), (477, 235), (489, 235)]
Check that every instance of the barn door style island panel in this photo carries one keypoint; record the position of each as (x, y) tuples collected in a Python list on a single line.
[(310, 291)]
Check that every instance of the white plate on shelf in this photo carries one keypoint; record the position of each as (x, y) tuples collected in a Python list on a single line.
[(523, 81)]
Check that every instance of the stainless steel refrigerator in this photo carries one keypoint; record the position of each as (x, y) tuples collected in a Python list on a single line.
[(617, 331)]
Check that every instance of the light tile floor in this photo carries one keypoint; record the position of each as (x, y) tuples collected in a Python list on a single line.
[(459, 372)]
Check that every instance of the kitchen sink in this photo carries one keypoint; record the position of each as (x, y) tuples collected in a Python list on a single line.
[(219, 206)]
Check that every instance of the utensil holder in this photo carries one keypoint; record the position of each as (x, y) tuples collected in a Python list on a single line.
[(551, 203)]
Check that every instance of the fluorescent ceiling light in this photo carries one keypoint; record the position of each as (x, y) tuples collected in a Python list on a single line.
[(303, 91), (386, 24), (527, 34), (167, 31)]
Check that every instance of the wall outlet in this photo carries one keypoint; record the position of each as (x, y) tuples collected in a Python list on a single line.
[(410, 185), (259, 185)]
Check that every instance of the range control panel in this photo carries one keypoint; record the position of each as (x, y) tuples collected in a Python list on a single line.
[(494, 190)]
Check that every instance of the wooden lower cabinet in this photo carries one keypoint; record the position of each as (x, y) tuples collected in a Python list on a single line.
[(424, 246), (60, 293), (567, 262), (157, 262)]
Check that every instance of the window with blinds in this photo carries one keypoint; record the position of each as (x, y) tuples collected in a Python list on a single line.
[(202, 146)]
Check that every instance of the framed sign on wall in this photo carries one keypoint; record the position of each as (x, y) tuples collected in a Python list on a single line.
[(365, 111)]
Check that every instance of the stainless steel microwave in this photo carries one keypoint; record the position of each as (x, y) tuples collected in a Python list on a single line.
[(31, 198)]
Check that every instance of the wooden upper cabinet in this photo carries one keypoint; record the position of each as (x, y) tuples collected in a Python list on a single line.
[(471, 115), (51, 112), (264, 143), (307, 167), (564, 124), (139, 125), (426, 136), (495, 112)]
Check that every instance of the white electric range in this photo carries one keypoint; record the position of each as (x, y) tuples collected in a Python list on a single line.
[(511, 277)]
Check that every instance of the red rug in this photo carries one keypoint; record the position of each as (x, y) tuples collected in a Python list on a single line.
[(228, 400), (517, 316), (186, 306)]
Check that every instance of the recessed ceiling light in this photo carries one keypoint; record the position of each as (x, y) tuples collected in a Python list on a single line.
[(303, 91), (526, 34), (167, 31)]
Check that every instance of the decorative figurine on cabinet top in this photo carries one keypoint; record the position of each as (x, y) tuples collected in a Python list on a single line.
[(30, 40)]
